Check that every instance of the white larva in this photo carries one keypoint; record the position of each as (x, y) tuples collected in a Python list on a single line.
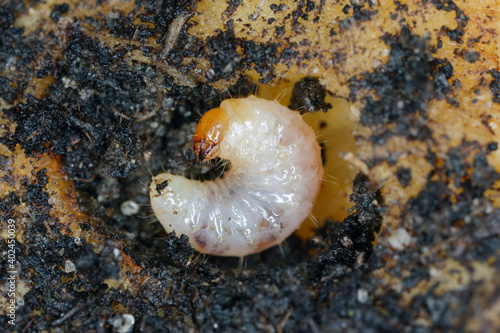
[(273, 181)]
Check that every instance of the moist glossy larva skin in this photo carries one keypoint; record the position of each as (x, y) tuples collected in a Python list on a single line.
[(273, 181)]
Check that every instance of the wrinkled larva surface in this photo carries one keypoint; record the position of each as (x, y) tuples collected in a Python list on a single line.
[(270, 188)]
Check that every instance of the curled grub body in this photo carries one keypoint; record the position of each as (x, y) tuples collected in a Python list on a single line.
[(269, 190)]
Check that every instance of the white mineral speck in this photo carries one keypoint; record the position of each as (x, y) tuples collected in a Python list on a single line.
[(117, 254), (400, 239), (129, 208), (69, 266), (355, 111), (362, 295), (124, 323)]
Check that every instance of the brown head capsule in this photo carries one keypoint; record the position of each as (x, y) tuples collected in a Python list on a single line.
[(209, 133)]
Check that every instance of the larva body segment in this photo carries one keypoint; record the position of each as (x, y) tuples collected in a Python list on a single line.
[(275, 176)]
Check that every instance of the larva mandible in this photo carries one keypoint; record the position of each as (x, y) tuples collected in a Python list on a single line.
[(270, 188)]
